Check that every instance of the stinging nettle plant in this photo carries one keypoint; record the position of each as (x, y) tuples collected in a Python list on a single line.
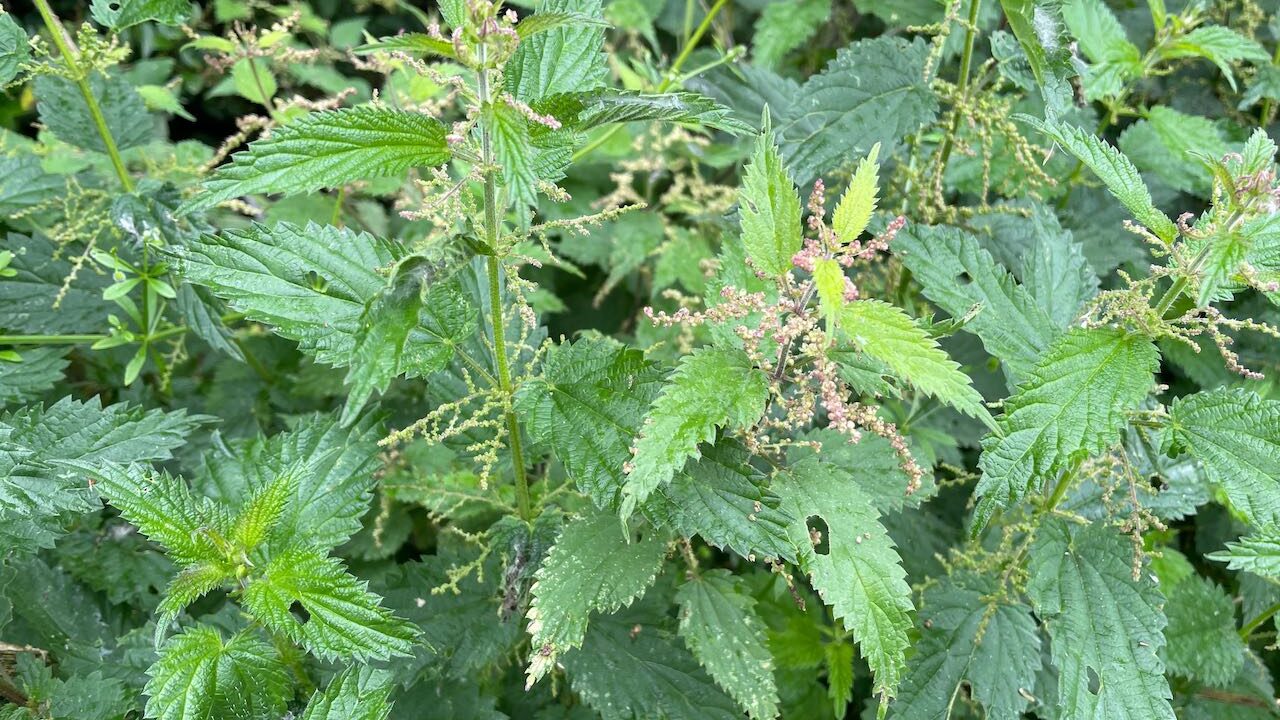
[(508, 368)]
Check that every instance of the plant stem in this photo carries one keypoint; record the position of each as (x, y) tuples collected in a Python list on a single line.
[(1268, 105), (1262, 617), (672, 73), (492, 222), (49, 339), (962, 86), (71, 58), (1064, 482), (1175, 290)]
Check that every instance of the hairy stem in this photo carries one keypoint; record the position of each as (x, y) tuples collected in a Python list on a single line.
[(962, 86), (492, 222), (71, 58)]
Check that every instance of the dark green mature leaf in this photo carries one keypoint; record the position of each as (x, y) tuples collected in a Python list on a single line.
[(36, 487), (957, 273), (688, 411), (1114, 61), (1038, 27), (565, 59), (860, 576), (328, 150), (1258, 553), (36, 373), (1202, 637), (200, 677), (1236, 435), (356, 693), (411, 43), (874, 91), (769, 209), (1058, 277), (14, 49), (24, 183), (343, 619), (120, 14), (970, 635), (63, 110), (592, 567), (1106, 627), (718, 622), (39, 300), (1070, 406), (784, 26), (603, 107), (628, 675), (1220, 45)]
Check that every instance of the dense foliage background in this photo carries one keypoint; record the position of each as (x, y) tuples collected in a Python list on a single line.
[(639, 359)]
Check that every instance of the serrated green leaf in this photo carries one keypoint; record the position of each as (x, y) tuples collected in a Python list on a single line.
[(356, 693), (120, 14), (1058, 277), (412, 43), (343, 620), (828, 278), (1071, 405), (63, 110), (784, 26), (34, 300), (769, 210), (1114, 60), (888, 334), (956, 273), (1220, 45), (970, 636), (603, 107), (1236, 435), (1114, 169), (1168, 144), (1106, 628), (860, 576), (328, 150), (199, 677), (1258, 553), (719, 624), (691, 406), (263, 510), (1037, 25), (838, 659), (592, 567), (859, 200), (24, 183), (1203, 642), (14, 48), (565, 59), (37, 372)]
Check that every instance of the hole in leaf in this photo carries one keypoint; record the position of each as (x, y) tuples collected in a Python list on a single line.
[(1157, 483), (819, 534), (113, 7), (964, 278), (299, 612), (1095, 682)]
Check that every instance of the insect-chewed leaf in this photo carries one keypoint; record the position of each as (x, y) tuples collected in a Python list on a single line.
[(356, 693), (120, 14), (693, 403), (1071, 405), (1236, 435), (200, 677), (592, 566), (1106, 628), (328, 150), (769, 209), (860, 576)]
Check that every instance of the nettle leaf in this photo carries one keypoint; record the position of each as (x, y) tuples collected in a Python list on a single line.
[(356, 693), (604, 107), (343, 620), (886, 333), (873, 92), (328, 150), (692, 405), (200, 677), (420, 44), (859, 200), (860, 575), (1114, 169), (625, 674), (63, 110), (587, 405), (970, 635), (1057, 275), (1037, 25), (563, 59), (1236, 435), (1168, 143), (1070, 406), (1258, 553), (785, 26), (1202, 637), (769, 209), (36, 485), (592, 567), (14, 48), (530, 153), (29, 378), (718, 622), (1114, 61), (956, 273), (120, 14), (1220, 45), (1105, 627), (33, 300), (23, 181)]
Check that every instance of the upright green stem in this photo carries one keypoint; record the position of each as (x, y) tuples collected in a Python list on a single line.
[(962, 86), (1262, 617), (492, 219), (71, 58), (1268, 105), (1175, 290)]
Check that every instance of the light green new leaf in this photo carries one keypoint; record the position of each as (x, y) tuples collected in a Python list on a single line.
[(120, 14), (1106, 628), (564, 59), (693, 403), (769, 209), (410, 43), (860, 575), (328, 150), (970, 636), (263, 510), (64, 112), (859, 200), (718, 622), (1220, 46), (1236, 435), (1202, 637), (1070, 406), (1114, 169), (592, 566), (344, 620), (356, 693), (199, 677), (828, 278), (957, 273), (888, 334)]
